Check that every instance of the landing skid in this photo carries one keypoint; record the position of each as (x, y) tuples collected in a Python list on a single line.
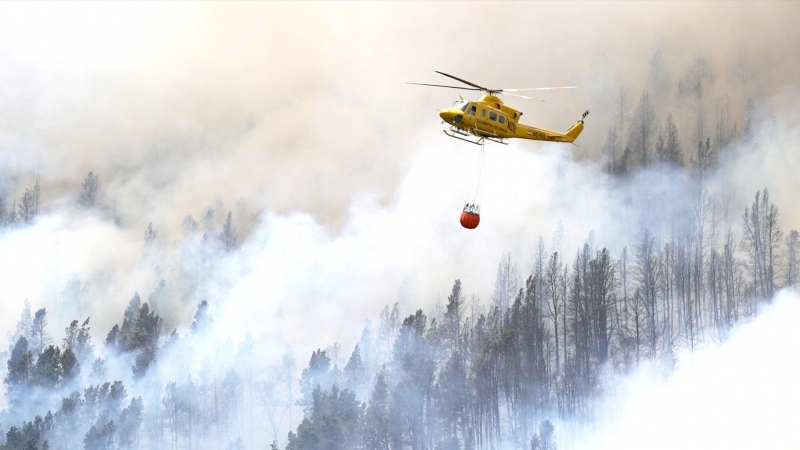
[(455, 133), (499, 141)]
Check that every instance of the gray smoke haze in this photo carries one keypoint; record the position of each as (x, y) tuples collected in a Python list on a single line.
[(345, 195)]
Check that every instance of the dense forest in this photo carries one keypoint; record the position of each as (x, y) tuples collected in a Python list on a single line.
[(481, 370)]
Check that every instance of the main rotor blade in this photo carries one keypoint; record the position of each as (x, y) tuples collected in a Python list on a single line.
[(538, 89), (463, 81), (451, 87), (523, 96)]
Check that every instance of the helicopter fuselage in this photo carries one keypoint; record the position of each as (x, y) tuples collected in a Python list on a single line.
[(489, 117)]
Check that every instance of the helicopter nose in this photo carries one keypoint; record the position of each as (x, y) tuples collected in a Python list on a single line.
[(451, 116)]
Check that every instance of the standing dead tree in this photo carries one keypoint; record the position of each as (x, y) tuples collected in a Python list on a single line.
[(761, 242)]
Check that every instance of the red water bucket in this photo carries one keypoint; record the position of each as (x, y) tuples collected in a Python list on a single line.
[(470, 220)]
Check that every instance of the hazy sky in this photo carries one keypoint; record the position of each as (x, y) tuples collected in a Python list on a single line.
[(303, 105)]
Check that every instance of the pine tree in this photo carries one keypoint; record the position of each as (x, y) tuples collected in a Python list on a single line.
[(3, 212), (545, 439), (150, 236), (317, 375), (100, 437), (24, 326), (453, 317), (451, 398), (71, 335), (83, 347), (189, 225), (20, 370), (90, 195), (37, 195), (98, 368), (70, 366), (354, 372), (11, 214), (202, 320), (761, 241), (333, 422), (668, 145), (130, 421), (228, 234), (39, 336), (129, 320), (376, 421), (792, 258), (27, 206), (641, 135), (48, 369), (139, 334), (611, 149), (113, 337), (31, 436), (536, 442)]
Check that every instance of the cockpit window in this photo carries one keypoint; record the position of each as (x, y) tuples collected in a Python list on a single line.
[(461, 105)]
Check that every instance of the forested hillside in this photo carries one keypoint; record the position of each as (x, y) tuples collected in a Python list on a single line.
[(471, 374)]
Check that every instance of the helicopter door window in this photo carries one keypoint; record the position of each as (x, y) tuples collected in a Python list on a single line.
[(502, 119), (472, 110), (483, 113), (492, 115)]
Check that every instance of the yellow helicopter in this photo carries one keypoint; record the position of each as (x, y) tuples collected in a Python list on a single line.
[(490, 119)]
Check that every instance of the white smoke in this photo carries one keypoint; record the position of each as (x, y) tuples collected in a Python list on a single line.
[(740, 394)]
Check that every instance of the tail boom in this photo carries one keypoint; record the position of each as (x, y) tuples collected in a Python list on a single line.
[(538, 134)]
